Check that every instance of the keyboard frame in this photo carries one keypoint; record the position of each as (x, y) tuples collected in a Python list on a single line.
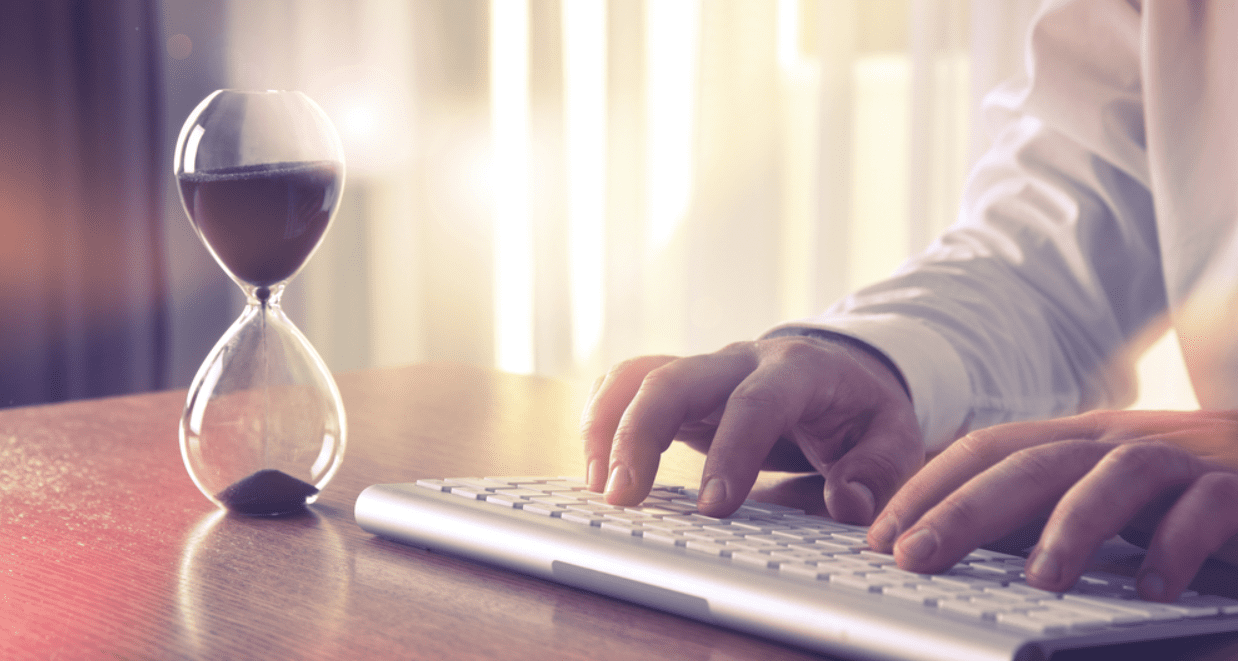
[(813, 615)]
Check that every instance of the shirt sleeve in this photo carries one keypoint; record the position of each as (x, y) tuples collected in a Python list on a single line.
[(1026, 308)]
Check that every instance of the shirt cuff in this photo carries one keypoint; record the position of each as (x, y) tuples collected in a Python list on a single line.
[(934, 373)]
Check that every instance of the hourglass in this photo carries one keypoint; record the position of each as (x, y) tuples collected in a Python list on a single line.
[(260, 175)]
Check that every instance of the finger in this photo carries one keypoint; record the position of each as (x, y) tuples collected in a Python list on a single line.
[(963, 460), (890, 450), (686, 390), (995, 503), (600, 419), (876, 449), (1201, 522), (759, 410), (1127, 479)]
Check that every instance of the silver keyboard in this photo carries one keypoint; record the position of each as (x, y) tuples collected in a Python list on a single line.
[(987, 586)]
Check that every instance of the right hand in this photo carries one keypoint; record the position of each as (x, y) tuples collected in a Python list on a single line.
[(789, 403)]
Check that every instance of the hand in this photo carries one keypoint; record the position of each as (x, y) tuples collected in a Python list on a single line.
[(1174, 474), (788, 403)]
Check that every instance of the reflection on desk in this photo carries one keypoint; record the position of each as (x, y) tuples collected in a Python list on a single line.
[(108, 550)]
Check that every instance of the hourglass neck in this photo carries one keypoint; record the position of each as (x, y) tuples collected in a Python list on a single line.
[(265, 296)]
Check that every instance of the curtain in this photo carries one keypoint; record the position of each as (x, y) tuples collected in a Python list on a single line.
[(551, 186), (82, 284)]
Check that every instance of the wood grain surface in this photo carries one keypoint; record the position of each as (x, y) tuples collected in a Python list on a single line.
[(109, 551)]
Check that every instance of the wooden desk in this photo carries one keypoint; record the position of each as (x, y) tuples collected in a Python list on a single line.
[(108, 551)]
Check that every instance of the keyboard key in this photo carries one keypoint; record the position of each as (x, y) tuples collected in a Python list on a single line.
[(1025, 590), (554, 500), (801, 534), (835, 547), (665, 537), (628, 515), (760, 526), (544, 509), (1104, 613), (621, 527), (767, 508), (506, 501), (476, 483), (1026, 622), (986, 585), (583, 518), (712, 548), (1151, 611), (975, 607), (755, 558), (797, 555), (520, 493), (1224, 605), (803, 570)]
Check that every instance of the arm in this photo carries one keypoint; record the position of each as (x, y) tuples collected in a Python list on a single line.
[(1028, 306)]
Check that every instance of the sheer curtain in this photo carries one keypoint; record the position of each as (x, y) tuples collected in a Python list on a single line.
[(550, 186)]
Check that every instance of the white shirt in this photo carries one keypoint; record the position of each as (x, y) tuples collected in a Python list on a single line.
[(1105, 210)]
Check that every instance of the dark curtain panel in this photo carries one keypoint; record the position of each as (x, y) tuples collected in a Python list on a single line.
[(82, 167)]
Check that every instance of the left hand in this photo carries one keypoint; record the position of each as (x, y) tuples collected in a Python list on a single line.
[(1173, 472)]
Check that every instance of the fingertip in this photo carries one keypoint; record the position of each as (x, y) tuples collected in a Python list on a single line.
[(1048, 570), (713, 498), (852, 502), (916, 550), (1151, 586), (883, 532), (619, 486), (1157, 581), (595, 475), (713, 493)]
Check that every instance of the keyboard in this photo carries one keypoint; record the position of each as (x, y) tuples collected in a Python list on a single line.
[(774, 571)]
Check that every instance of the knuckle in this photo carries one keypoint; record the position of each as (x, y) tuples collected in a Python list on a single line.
[(661, 378), (1036, 463), (640, 365), (742, 347), (1095, 420), (882, 472), (957, 512), (1219, 488), (981, 443), (1149, 462), (798, 350), (761, 398)]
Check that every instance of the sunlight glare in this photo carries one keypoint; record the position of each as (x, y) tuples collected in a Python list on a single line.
[(671, 45), (513, 240), (584, 85)]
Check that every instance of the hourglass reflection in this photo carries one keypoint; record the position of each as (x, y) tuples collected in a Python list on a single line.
[(261, 174)]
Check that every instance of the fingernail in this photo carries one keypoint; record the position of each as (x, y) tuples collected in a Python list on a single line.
[(919, 546), (594, 475), (864, 496), (619, 480), (884, 532), (1045, 568), (1152, 586), (714, 491)]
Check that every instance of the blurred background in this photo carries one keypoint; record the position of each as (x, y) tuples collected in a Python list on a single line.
[(542, 186)]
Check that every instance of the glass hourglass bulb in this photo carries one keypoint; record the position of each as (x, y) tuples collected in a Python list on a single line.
[(260, 175)]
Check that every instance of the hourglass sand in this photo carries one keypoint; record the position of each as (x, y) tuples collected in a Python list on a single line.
[(260, 175)]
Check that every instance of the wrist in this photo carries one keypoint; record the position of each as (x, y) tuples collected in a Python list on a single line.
[(847, 340)]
